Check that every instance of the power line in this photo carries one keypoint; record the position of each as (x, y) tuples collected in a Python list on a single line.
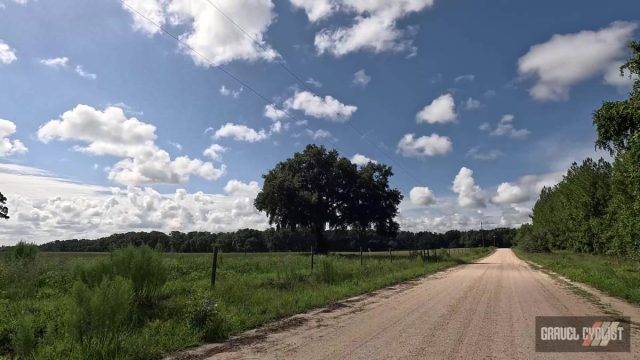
[(305, 85), (254, 39), (209, 61), (254, 91)]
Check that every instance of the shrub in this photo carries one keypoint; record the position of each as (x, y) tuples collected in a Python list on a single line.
[(144, 267), (24, 339), (534, 241), (107, 309), (22, 252), (20, 272), (92, 273), (146, 270)]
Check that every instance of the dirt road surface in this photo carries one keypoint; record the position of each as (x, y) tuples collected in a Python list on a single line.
[(484, 310)]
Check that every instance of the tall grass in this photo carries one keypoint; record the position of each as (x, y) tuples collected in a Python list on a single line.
[(138, 303), (617, 277)]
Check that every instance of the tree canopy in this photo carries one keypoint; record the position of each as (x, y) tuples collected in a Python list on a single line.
[(373, 204), (617, 121), (318, 189)]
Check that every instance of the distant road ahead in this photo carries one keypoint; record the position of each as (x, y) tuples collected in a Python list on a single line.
[(479, 311)]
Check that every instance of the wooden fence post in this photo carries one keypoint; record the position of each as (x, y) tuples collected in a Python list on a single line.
[(360, 256), (214, 266)]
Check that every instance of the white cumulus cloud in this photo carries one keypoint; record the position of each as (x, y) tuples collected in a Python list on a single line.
[(566, 60), (526, 188), (470, 195), (442, 110), (147, 15), (423, 146), (316, 10), (208, 31), (361, 160), (214, 152), (272, 112), (9, 147), (374, 27), (327, 108), (510, 194), (110, 132), (7, 54), (422, 195), (240, 133)]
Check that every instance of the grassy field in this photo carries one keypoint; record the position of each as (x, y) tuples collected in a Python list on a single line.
[(620, 278), (139, 304)]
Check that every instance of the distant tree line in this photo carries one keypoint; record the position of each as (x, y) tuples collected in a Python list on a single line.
[(596, 207), (249, 240)]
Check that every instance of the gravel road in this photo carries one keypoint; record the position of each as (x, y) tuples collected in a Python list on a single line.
[(484, 310)]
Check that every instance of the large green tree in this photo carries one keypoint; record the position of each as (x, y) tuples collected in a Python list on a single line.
[(318, 189), (4, 211), (308, 191)]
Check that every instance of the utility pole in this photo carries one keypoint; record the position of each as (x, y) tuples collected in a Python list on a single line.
[(481, 234)]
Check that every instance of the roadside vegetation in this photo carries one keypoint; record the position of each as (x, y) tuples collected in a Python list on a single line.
[(137, 303), (595, 209), (615, 276), (587, 227)]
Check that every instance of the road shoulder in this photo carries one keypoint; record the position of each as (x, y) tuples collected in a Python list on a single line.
[(608, 304)]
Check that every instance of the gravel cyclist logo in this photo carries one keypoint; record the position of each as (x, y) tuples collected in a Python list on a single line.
[(583, 334)]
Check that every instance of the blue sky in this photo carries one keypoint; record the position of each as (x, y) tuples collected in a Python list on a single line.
[(498, 95)]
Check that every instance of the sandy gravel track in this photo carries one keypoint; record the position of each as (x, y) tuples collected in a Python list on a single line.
[(484, 310)]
